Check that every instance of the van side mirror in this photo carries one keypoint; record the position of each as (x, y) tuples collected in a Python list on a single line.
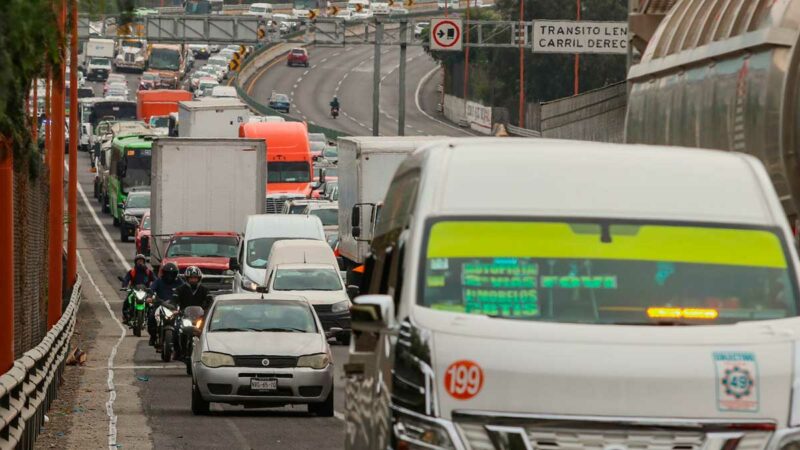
[(353, 291), (372, 313), (356, 231), (355, 218)]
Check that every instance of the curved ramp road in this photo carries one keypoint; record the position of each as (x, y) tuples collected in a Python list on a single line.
[(347, 72)]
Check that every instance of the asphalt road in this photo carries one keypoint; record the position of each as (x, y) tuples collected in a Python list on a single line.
[(347, 72)]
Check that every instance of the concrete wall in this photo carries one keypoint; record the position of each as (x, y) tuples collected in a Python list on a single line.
[(597, 115), (454, 109)]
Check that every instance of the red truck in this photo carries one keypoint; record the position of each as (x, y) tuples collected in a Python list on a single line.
[(159, 102), (211, 251), (289, 163)]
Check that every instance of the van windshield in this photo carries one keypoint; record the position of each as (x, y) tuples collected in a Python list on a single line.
[(307, 280), (329, 216), (258, 251), (606, 272)]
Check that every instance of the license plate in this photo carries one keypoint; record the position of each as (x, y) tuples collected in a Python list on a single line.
[(263, 384)]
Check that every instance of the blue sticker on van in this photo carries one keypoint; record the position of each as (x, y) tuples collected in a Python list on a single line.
[(737, 381)]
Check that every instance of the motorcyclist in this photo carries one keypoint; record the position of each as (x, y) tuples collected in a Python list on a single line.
[(334, 104), (139, 274), (163, 290), (192, 293)]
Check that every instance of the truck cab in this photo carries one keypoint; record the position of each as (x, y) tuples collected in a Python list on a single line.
[(659, 311), (168, 60), (211, 251), (289, 162)]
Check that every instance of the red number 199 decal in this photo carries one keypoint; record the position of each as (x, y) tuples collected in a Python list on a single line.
[(463, 379)]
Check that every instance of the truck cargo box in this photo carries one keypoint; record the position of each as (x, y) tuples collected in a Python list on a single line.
[(211, 118)]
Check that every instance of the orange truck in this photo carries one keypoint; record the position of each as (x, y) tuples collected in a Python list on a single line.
[(289, 164), (160, 102)]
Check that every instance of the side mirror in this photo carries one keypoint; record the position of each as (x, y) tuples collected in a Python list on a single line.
[(353, 291), (233, 263), (120, 205), (355, 218), (372, 313), (356, 232), (333, 332)]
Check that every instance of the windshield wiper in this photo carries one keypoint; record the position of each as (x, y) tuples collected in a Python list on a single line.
[(655, 323), (232, 329), (287, 330)]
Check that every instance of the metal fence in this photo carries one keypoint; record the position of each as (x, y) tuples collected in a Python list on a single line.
[(30, 258), (28, 389)]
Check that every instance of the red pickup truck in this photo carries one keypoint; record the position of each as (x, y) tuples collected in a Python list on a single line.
[(211, 251)]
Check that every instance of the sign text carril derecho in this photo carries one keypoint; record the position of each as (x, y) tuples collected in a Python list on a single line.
[(551, 36)]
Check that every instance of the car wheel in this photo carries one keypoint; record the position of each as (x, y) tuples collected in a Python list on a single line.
[(200, 407), (324, 409)]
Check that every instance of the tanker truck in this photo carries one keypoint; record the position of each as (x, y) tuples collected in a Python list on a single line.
[(724, 75)]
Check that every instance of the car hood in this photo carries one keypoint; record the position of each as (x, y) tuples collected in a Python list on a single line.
[(215, 263), (264, 343), (741, 371), (136, 212), (319, 297)]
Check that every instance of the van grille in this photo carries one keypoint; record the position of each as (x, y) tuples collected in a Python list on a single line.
[(275, 204), (561, 436)]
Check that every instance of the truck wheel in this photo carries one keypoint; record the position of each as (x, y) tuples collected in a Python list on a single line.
[(324, 409), (200, 407)]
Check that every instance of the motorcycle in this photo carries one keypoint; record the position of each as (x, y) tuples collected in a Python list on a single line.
[(137, 299), (189, 323), (334, 112), (165, 315)]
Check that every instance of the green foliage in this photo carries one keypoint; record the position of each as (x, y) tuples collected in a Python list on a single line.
[(494, 73), (28, 42)]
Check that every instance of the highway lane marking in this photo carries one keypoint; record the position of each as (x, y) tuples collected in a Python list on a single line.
[(416, 100), (304, 74), (295, 86), (261, 74), (321, 61), (112, 391), (313, 67), (299, 79), (103, 230)]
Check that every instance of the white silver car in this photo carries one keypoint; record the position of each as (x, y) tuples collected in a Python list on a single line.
[(263, 350)]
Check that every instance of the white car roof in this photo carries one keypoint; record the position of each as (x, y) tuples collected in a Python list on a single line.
[(257, 296)]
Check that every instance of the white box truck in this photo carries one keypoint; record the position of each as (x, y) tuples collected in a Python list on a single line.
[(366, 165), (211, 118), (99, 53), (204, 185)]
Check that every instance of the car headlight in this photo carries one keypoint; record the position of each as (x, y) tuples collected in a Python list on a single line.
[(131, 219), (317, 361), (340, 307), (228, 272), (418, 433), (187, 323), (214, 359), (248, 284)]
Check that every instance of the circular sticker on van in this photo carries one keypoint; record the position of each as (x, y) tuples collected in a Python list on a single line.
[(463, 379)]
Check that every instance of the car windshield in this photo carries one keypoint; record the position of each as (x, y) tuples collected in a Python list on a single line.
[(203, 246), (297, 209), (101, 61), (165, 59), (159, 122), (319, 279), (288, 172), (328, 216), (207, 84), (604, 272), (288, 316), (258, 251), (280, 98), (330, 152), (138, 200), (298, 52)]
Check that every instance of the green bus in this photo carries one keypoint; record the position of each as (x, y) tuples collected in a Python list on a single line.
[(129, 168)]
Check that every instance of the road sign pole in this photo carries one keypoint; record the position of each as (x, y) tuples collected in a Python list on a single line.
[(376, 80), (401, 104)]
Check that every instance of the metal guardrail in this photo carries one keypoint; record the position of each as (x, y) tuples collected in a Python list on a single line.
[(29, 387), (522, 132)]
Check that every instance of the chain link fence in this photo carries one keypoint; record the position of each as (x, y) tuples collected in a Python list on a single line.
[(30, 259)]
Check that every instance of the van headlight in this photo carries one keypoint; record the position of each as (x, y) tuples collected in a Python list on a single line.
[(248, 284), (317, 361), (341, 306), (420, 433), (214, 359)]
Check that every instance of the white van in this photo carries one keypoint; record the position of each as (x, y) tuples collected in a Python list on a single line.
[(582, 296), (261, 232), (308, 268), (262, 10), (224, 91)]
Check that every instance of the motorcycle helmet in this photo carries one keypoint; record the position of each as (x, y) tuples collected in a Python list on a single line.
[(193, 273), (170, 272), (140, 257)]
